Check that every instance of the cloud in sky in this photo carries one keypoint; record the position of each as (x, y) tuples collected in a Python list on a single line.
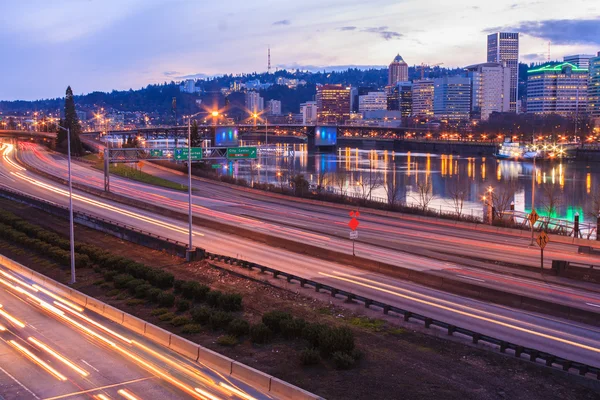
[(115, 44), (560, 31)]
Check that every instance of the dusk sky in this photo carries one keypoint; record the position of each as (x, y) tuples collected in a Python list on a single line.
[(121, 44)]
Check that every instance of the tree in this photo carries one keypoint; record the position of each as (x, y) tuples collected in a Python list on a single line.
[(391, 188), (195, 135), (458, 195), (502, 200), (70, 122), (552, 199), (301, 185), (593, 210), (425, 194)]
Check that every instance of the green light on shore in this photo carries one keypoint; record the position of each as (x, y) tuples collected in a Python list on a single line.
[(557, 68)]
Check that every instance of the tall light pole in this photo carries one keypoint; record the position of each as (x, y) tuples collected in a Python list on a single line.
[(71, 230), (534, 176), (190, 184)]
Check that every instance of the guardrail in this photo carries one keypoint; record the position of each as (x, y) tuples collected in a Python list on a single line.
[(550, 360)]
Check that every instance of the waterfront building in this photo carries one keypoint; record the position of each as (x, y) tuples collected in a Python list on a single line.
[(372, 101), (490, 89), (594, 89), (308, 111), (333, 104), (557, 88), (503, 47), (422, 98), (452, 98)]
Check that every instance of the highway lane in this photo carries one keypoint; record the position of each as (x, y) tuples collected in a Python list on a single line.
[(544, 290), (564, 338), (51, 348)]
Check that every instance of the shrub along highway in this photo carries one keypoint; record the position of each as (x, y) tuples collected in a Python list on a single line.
[(563, 338)]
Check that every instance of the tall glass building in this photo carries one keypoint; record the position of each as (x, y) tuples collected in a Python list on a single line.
[(594, 88), (503, 48)]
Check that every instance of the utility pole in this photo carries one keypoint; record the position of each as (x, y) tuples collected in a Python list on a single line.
[(71, 229), (533, 198)]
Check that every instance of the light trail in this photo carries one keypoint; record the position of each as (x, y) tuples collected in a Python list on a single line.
[(9, 149), (101, 397), (20, 282), (58, 356), (2, 328), (55, 297), (91, 321), (38, 361), (207, 395), (467, 314), (237, 391), (11, 318), (127, 395)]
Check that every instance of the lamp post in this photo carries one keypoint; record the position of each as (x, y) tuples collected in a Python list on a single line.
[(190, 184), (71, 230)]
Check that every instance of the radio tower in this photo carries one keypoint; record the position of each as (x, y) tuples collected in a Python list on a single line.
[(269, 61)]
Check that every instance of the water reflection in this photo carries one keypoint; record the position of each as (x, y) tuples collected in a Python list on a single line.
[(378, 174)]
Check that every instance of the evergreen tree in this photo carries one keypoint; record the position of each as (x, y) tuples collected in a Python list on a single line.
[(72, 123), (194, 135)]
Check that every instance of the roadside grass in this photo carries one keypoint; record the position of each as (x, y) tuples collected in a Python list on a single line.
[(135, 174), (371, 324)]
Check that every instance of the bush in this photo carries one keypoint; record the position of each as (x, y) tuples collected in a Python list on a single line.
[(191, 328), (272, 319), (152, 294), (195, 291), (135, 302), (312, 332), (109, 275), (292, 328), (159, 311), (230, 302), (182, 305), (201, 315), (121, 280), (227, 340), (142, 290), (133, 284), (113, 293), (177, 285), (163, 280), (82, 260), (212, 298), (260, 333), (342, 360), (309, 357), (219, 320), (200, 292), (180, 321), (334, 340), (166, 299), (167, 316), (238, 327)]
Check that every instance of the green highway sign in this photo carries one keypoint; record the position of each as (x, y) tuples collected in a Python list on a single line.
[(241, 152), (156, 153), (181, 154), (216, 166)]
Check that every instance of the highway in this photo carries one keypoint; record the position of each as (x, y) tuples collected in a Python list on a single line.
[(50, 348), (563, 338), (402, 242)]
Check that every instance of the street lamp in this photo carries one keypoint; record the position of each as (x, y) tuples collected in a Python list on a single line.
[(190, 182), (71, 230)]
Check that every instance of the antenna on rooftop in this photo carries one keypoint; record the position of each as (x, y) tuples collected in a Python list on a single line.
[(269, 61)]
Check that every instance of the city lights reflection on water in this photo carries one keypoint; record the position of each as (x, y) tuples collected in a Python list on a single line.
[(349, 170)]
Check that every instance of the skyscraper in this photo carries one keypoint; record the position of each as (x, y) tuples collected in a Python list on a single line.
[(274, 107), (579, 60), (372, 101), (254, 102), (398, 71), (594, 89), (503, 47), (557, 88), (333, 104), (309, 112), (490, 89), (422, 98), (452, 98)]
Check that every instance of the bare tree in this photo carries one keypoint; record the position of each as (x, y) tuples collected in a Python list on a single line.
[(321, 182), (340, 180), (458, 196), (593, 210), (502, 199), (424, 194), (366, 187), (391, 189), (552, 199)]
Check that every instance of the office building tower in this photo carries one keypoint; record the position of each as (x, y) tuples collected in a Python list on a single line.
[(274, 107), (503, 48), (594, 89), (372, 101), (422, 98), (579, 60), (452, 98), (557, 88), (490, 89), (333, 104), (398, 71), (254, 102), (309, 112)]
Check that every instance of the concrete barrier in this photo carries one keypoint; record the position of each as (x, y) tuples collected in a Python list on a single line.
[(215, 360), (281, 389), (114, 314), (159, 335), (252, 376), (184, 347), (95, 305), (135, 324)]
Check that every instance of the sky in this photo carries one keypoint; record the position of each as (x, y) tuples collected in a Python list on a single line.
[(101, 45)]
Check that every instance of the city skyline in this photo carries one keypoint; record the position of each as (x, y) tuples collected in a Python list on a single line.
[(101, 46)]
